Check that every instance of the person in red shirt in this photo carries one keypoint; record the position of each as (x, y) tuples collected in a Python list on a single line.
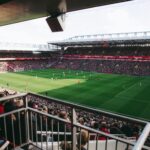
[(1, 108), (1, 120), (1, 105), (103, 128)]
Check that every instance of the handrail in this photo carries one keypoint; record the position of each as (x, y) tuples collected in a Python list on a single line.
[(138, 145), (84, 127), (4, 146), (107, 113), (13, 96), (12, 112), (48, 115), (142, 138)]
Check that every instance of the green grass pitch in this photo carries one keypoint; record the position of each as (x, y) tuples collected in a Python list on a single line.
[(123, 94)]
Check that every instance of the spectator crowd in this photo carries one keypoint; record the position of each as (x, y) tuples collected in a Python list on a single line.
[(107, 62), (119, 60)]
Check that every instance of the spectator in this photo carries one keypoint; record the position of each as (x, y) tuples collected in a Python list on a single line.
[(65, 145), (82, 139)]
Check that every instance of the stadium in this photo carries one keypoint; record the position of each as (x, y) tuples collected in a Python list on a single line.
[(86, 92)]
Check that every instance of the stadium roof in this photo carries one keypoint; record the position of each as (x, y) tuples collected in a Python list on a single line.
[(26, 47), (132, 38), (13, 11)]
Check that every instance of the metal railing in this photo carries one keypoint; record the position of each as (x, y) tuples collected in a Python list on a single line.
[(68, 105), (28, 126), (142, 138)]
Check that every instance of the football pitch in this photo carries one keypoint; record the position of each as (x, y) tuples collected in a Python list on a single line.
[(129, 95)]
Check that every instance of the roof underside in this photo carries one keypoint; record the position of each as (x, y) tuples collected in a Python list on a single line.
[(13, 11), (102, 43)]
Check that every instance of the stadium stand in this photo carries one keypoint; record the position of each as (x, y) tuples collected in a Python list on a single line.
[(47, 123), (109, 51), (106, 66), (107, 60), (30, 120), (18, 61)]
